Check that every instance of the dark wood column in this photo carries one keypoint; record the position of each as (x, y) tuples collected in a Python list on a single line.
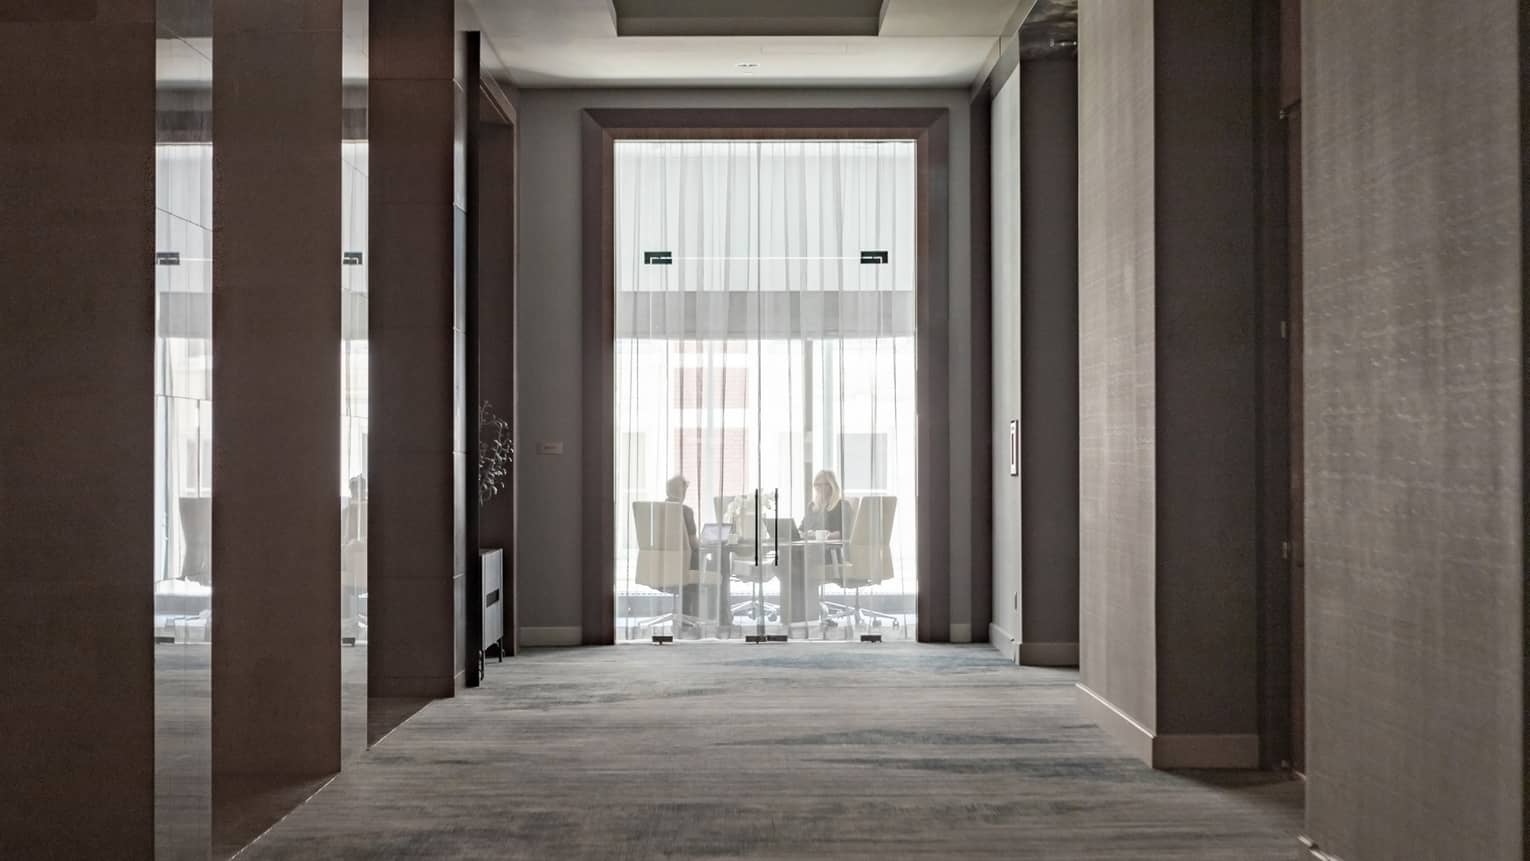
[(276, 390), (77, 440), (417, 517)]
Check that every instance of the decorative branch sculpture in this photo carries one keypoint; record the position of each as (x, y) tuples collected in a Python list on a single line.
[(496, 453)]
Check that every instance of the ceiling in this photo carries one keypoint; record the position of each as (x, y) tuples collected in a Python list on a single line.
[(574, 43)]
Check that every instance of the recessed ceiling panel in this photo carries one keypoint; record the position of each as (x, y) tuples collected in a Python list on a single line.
[(575, 43), (747, 17)]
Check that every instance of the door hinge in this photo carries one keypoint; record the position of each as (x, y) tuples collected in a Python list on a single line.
[(1285, 330), (1285, 550)]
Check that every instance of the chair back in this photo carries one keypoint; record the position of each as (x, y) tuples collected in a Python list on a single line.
[(659, 525), (870, 536), (663, 556), (196, 529)]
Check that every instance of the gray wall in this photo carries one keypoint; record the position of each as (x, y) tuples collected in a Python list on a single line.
[(1206, 285), (1168, 370), (1117, 547), (548, 345), (1005, 247), (1414, 277), (1049, 369)]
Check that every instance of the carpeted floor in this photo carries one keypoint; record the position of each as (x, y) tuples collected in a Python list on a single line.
[(778, 751)]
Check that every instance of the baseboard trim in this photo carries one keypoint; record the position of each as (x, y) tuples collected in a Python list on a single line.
[(1136, 738), (1206, 750), (961, 633), (1172, 750), (1002, 642), (567, 635), (1047, 654)]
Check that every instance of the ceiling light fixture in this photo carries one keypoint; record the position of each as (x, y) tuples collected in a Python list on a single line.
[(746, 66)]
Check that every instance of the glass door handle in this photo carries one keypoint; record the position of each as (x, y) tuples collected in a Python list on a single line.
[(775, 505)]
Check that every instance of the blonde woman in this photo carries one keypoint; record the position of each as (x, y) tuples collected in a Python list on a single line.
[(827, 510)]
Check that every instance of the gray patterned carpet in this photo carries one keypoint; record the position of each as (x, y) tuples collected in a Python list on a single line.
[(777, 751)]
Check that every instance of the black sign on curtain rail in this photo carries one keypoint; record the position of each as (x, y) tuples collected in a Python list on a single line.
[(167, 258), (870, 258), (350, 258), (658, 258)]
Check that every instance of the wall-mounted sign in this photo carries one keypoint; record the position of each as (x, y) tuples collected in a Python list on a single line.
[(167, 258), (350, 258), (873, 258), (658, 258)]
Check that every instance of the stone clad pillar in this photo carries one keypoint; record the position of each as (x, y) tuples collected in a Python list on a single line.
[(276, 389), (77, 437), (417, 518)]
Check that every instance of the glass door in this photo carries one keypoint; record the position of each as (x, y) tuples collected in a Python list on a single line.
[(764, 389)]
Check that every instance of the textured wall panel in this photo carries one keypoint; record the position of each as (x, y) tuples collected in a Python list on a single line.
[(76, 429), (1413, 419), (1116, 355)]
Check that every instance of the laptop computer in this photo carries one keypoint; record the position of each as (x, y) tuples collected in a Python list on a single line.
[(784, 530), (716, 533)]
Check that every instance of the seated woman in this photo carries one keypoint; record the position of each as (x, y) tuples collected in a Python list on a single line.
[(826, 513), (827, 510)]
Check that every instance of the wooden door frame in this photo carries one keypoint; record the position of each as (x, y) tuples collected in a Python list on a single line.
[(929, 128)]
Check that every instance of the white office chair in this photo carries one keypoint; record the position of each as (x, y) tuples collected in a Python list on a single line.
[(867, 562), (664, 559)]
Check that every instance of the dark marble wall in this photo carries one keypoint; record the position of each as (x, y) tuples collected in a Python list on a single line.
[(276, 383), (1414, 278), (77, 346), (416, 519)]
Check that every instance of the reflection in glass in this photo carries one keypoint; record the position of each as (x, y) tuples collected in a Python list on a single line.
[(765, 339), (353, 384), (182, 578)]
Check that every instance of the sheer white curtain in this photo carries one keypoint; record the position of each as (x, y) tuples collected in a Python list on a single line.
[(765, 314), (183, 391)]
